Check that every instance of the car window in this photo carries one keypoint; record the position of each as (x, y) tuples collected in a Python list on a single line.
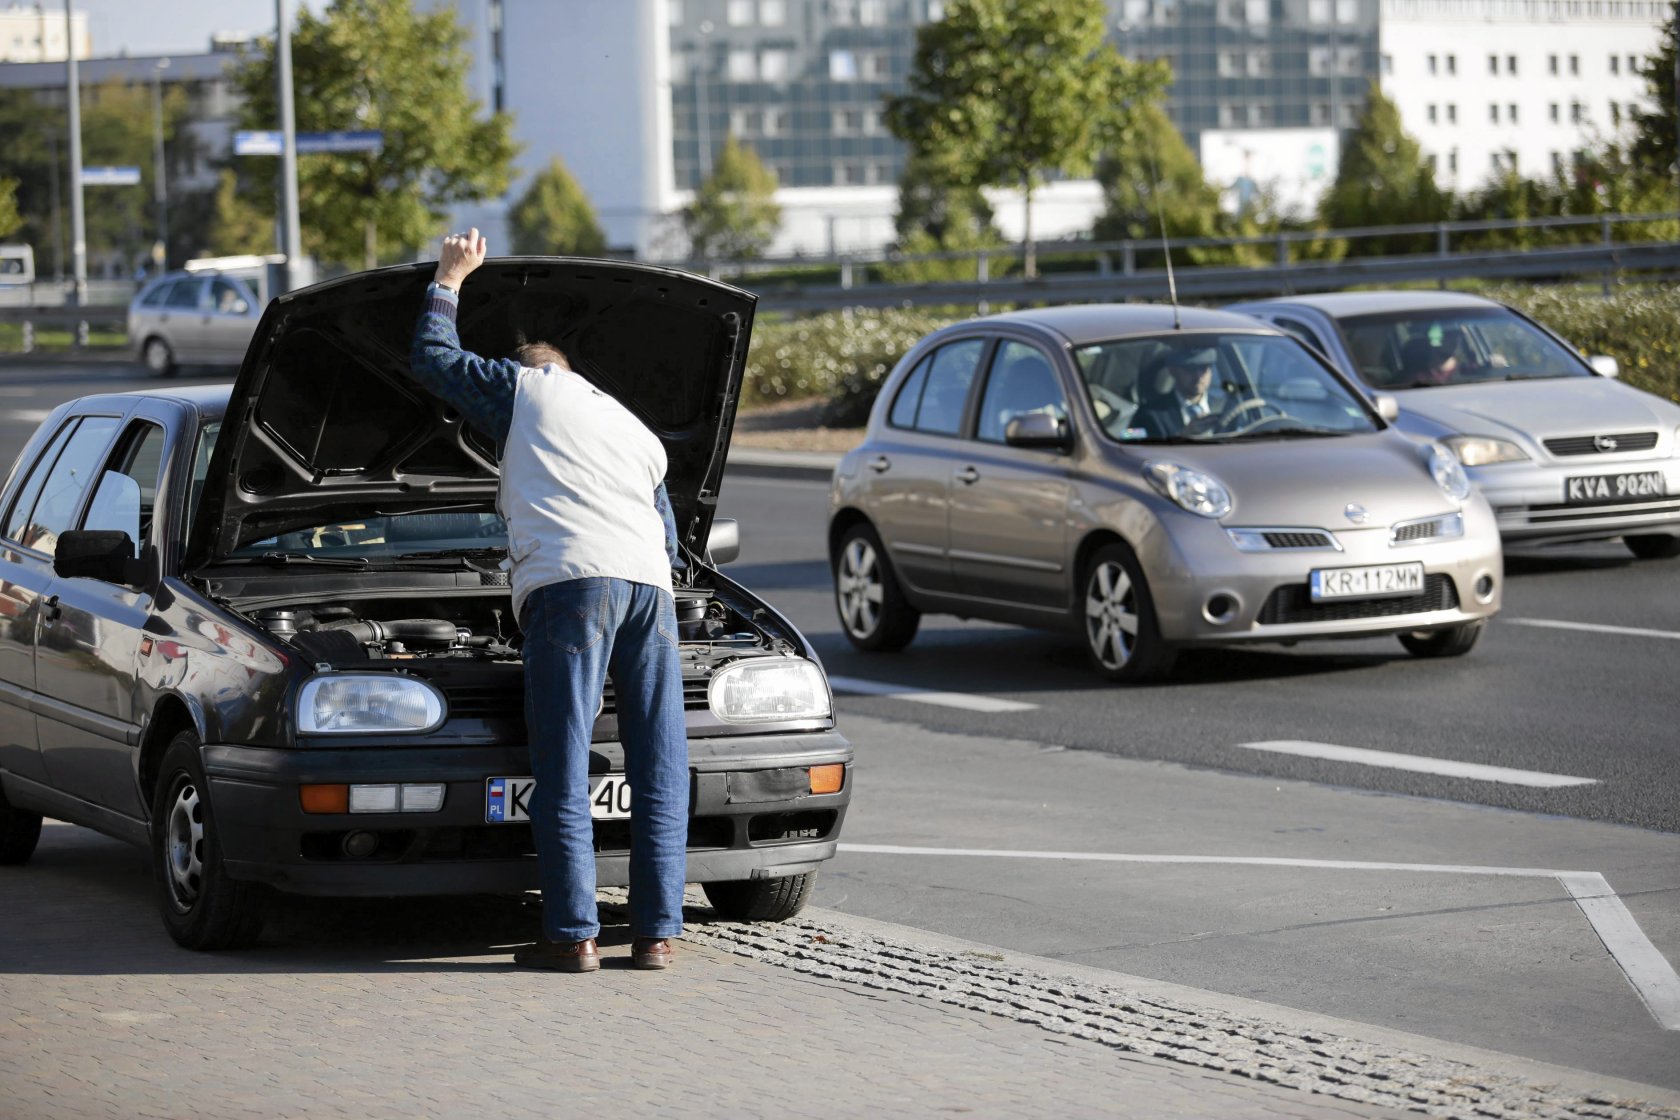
[(390, 536), (157, 295), (226, 298), (184, 294), (909, 397), (61, 494), (1455, 346), (18, 520), (1301, 331), (1215, 387), (1022, 381), (949, 379), (201, 467), (127, 494)]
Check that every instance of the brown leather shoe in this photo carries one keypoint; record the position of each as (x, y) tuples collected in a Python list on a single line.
[(560, 956), (652, 952)]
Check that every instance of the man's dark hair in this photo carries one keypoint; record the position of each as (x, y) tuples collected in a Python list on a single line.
[(535, 355)]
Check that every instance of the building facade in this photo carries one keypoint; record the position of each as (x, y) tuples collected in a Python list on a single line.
[(38, 33)]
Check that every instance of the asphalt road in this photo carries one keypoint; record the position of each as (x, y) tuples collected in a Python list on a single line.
[(1415, 902)]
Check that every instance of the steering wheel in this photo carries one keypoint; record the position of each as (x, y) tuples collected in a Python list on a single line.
[(1264, 409)]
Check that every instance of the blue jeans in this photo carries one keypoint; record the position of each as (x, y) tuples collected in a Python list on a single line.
[(576, 632)]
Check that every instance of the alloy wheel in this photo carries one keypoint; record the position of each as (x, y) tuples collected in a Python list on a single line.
[(860, 586), (1111, 615)]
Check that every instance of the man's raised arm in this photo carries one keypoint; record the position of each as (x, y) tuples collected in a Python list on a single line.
[(481, 389)]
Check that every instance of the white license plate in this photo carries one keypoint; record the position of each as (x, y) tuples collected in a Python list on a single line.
[(1377, 581), (508, 800), (1588, 489)]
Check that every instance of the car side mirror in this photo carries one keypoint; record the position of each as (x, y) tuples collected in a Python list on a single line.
[(1605, 366), (1388, 406), (102, 554), (723, 543), (1038, 429)]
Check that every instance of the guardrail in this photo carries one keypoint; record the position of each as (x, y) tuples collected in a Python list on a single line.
[(78, 320)]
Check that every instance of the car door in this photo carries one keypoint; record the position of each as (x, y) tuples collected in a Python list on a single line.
[(910, 470), (232, 320), (87, 649), (1009, 505), (184, 319), (24, 576)]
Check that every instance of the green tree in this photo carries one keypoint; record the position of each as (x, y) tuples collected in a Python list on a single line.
[(1382, 180), (935, 216), (378, 64), (1007, 92), (1654, 139), (236, 225), (554, 216), (10, 219), (734, 214)]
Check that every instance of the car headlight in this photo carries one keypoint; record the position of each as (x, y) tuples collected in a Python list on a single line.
[(1481, 451), (1448, 475), (339, 703), (769, 690), (1196, 491)]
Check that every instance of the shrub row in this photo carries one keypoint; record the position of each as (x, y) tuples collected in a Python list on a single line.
[(842, 356)]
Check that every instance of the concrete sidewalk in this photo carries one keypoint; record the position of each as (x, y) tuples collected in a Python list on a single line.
[(402, 1009)]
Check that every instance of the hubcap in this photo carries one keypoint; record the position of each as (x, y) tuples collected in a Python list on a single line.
[(185, 845), (1111, 619), (157, 356), (860, 589)]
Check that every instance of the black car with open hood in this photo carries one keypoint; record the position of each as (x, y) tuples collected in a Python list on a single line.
[(274, 632)]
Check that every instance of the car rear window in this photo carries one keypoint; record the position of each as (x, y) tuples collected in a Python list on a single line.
[(183, 294), (941, 392)]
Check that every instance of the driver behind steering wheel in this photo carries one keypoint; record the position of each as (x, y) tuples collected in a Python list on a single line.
[(1191, 371)]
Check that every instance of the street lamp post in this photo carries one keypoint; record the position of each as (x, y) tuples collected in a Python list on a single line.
[(78, 220), (288, 144), (160, 189)]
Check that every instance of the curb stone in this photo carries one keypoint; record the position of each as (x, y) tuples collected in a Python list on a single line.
[(1264, 1042)]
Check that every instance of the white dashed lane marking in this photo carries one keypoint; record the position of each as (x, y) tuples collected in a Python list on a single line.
[(1592, 628), (1421, 764), (964, 700), (1652, 977)]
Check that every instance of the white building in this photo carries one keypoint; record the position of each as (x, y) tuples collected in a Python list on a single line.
[(37, 33), (1491, 85)]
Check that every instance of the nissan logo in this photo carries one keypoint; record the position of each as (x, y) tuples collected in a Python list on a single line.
[(1605, 443), (1356, 513)]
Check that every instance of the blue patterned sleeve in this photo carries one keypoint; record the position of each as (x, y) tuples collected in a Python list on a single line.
[(481, 389)]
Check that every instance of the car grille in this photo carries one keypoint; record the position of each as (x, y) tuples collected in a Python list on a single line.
[(1588, 445), (1417, 531), (507, 701), (1293, 603), (1300, 538)]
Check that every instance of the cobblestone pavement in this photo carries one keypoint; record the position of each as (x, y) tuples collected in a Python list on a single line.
[(411, 1009)]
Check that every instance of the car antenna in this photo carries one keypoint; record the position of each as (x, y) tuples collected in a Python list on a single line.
[(1166, 250)]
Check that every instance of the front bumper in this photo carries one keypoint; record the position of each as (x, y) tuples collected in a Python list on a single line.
[(743, 822), (1267, 593), (1530, 500)]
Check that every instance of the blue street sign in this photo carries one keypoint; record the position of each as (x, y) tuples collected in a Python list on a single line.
[(110, 176), (268, 143)]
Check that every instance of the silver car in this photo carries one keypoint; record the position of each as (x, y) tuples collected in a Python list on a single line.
[(1059, 468), (1562, 451), (192, 319)]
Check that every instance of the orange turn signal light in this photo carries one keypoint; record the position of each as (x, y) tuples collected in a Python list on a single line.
[(324, 798), (828, 779)]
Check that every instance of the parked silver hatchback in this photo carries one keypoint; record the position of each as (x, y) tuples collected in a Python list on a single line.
[(1151, 480), (192, 319)]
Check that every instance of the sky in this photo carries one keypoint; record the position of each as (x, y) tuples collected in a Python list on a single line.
[(144, 27)]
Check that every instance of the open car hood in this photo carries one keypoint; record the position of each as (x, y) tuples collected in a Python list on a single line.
[(325, 425)]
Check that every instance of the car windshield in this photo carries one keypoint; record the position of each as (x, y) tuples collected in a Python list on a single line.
[(389, 537), (1188, 387), (1458, 346)]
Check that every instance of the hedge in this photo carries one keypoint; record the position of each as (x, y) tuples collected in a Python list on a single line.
[(842, 356)]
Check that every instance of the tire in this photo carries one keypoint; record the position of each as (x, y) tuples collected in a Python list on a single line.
[(873, 611), (1122, 635), (19, 833), (1448, 641), (158, 358), (1653, 546), (202, 907), (760, 900)]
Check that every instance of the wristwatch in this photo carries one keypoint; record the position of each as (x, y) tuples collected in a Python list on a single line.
[(447, 287)]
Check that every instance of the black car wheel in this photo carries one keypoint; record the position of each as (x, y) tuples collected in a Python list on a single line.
[(872, 609), (1122, 638), (159, 358), (1448, 641), (1653, 546), (19, 832), (202, 907), (760, 900)]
